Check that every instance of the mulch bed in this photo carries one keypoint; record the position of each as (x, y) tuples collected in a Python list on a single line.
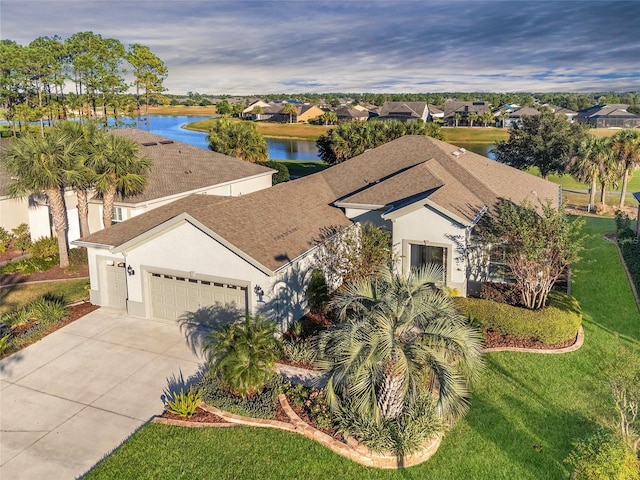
[(201, 416), (9, 255), (54, 273), (495, 339)]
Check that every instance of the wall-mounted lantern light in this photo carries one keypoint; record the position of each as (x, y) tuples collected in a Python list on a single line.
[(259, 292), (130, 270)]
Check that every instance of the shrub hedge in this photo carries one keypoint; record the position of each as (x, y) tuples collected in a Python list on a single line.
[(558, 322)]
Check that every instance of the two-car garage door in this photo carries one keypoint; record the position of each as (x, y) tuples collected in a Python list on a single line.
[(173, 296)]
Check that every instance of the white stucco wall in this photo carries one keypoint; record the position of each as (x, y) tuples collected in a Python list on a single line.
[(13, 212), (234, 189), (429, 227)]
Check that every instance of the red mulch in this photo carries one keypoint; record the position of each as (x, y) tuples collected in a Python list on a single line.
[(495, 339), (54, 273), (201, 416), (9, 254)]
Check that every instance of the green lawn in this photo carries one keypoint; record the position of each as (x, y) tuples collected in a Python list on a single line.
[(526, 409), (20, 295), (300, 169)]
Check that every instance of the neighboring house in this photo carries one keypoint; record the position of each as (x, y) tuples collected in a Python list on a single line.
[(407, 111), (346, 114), (248, 113), (463, 109), (515, 117), (33, 209), (304, 114), (254, 253), (570, 114), (608, 116), (178, 170)]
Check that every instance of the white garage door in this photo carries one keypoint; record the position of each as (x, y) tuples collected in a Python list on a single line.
[(173, 296), (116, 286)]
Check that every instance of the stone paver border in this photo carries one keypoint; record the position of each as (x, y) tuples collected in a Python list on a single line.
[(352, 449)]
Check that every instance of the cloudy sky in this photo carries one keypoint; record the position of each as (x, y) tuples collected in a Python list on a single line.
[(252, 47)]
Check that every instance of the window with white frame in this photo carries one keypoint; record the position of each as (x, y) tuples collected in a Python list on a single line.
[(117, 216)]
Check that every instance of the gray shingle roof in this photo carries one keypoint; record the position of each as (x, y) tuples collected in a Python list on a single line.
[(178, 167), (278, 224)]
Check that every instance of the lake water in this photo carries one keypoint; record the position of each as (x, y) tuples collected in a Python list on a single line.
[(279, 148)]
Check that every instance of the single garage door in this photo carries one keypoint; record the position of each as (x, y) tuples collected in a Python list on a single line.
[(116, 286), (173, 296)]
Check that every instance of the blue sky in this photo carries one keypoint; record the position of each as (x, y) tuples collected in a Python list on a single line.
[(252, 47)]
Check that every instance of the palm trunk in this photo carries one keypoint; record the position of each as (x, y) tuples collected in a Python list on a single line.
[(623, 193), (59, 214), (391, 397), (107, 206), (83, 211), (603, 194), (592, 193)]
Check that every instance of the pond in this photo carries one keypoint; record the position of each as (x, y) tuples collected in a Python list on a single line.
[(279, 148)]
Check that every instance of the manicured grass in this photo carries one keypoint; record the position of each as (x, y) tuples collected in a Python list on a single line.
[(194, 110), (475, 134), (300, 169), (526, 409), (20, 295), (275, 130)]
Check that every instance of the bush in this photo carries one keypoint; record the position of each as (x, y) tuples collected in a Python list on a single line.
[(184, 404), (318, 293), (77, 259), (49, 309), (558, 322), (27, 266), (260, 405), (21, 237), (5, 239), (299, 351), (418, 423), (282, 172), (602, 456), (500, 292), (45, 248)]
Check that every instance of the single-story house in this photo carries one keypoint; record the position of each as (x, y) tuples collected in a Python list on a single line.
[(347, 114), (570, 114), (608, 116), (407, 111), (304, 113), (454, 108), (254, 253), (177, 170), (515, 117)]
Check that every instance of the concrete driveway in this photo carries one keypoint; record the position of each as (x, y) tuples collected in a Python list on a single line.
[(71, 398)]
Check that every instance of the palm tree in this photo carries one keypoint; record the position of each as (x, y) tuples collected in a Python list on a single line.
[(118, 169), (244, 354), (457, 117), (36, 164), (399, 336), (290, 109), (77, 174), (626, 147), (584, 166), (609, 170), (488, 118), (472, 117), (504, 114)]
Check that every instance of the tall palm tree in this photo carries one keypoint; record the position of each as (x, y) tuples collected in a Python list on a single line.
[(609, 170), (584, 166), (457, 117), (290, 109), (504, 114), (472, 117), (626, 148), (77, 173), (119, 169), (399, 336), (36, 164)]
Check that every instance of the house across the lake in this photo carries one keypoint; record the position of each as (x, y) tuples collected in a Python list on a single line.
[(254, 253)]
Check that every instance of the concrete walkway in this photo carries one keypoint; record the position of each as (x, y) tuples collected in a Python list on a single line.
[(71, 398)]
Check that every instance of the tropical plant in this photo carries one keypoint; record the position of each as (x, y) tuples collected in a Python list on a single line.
[(626, 148), (243, 353), (238, 139), (119, 170), (37, 163), (609, 169), (44, 248), (350, 139), (184, 404), (457, 117), (329, 118), (584, 165), (5, 239), (472, 117), (291, 110), (21, 237), (399, 336)]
